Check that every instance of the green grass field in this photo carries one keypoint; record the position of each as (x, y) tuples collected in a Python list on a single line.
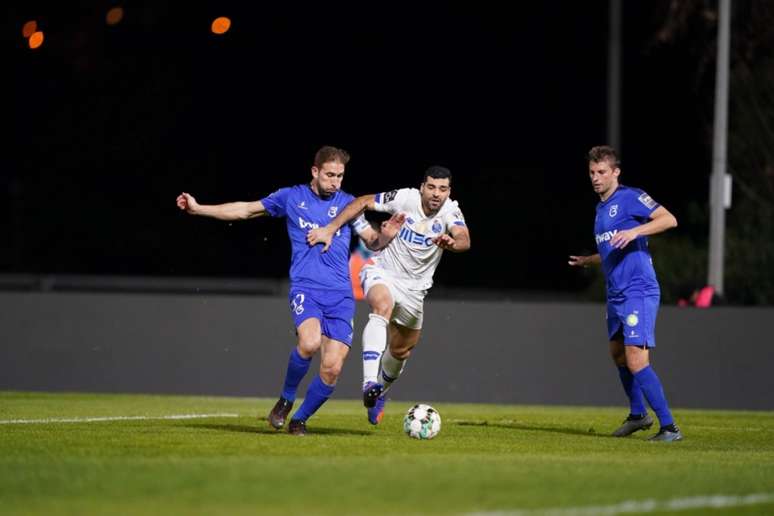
[(500, 459)]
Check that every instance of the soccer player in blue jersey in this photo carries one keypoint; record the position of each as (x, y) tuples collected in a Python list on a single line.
[(320, 296), (625, 218)]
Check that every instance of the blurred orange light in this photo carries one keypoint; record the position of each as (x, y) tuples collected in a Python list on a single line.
[(36, 39), (29, 28), (221, 25), (114, 16)]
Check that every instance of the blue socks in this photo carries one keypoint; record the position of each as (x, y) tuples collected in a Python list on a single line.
[(297, 369), (654, 393), (317, 394), (633, 391)]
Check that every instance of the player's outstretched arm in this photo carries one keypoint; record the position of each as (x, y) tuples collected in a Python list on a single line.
[(378, 240), (325, 234), (458, 241), (227, 211), (585, 261), (660, 221)]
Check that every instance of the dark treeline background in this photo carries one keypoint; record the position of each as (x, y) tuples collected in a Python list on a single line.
[(112, 122)]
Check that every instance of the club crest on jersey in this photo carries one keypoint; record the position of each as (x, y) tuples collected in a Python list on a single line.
[(437, 227), (332, 211), (613, 211), (632, 320)]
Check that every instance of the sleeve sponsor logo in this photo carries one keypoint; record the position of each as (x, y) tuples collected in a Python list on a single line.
[(647, 201), (389, 196)]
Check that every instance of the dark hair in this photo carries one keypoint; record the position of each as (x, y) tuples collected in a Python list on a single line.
[(327, 154), (603, 153), (437, 172)]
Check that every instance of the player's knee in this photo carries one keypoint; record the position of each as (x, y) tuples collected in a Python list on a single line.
[(308, 346), (330, 372), (618, 358), (401, 353), (382, 308)]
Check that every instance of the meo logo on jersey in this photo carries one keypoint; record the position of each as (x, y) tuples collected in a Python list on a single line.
[(412, 237)]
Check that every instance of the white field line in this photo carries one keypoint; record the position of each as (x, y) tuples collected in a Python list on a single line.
[(110, 418), (643, 506)]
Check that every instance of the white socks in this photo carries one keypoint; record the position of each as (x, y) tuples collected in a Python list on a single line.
[(374, 342), (390, 370)]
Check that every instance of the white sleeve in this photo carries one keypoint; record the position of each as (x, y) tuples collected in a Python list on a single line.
[(360, 224), (454, 217), (392, 201)]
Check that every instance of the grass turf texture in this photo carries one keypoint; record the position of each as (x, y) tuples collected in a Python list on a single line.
[(486, 458)]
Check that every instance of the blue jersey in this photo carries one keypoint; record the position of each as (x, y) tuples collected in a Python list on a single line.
[(305, 210), (628, 270)]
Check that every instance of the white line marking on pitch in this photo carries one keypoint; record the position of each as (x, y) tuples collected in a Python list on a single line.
[(112, 418), (642, 506)]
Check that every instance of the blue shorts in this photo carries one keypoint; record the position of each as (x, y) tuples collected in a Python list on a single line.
[(335, 309), (635, 318)]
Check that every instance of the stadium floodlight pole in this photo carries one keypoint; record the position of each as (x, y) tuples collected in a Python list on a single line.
[(615, 9), (719, 182)]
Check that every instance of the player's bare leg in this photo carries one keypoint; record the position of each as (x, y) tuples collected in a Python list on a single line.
[(309, 341), (320, 389)]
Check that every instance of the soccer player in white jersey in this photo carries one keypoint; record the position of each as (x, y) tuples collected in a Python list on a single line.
[(396, 283)]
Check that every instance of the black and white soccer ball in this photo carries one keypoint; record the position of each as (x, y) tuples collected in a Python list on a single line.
[(422, 422)]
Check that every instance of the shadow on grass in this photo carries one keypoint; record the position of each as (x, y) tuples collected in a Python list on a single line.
[(513, 425), (266, 430)]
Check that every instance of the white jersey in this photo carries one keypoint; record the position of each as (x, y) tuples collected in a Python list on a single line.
[(412, 255)]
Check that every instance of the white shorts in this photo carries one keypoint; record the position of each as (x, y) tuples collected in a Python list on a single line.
[(409, 302)]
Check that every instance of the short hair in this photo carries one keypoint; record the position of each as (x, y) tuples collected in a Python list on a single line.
[(326, 154), (437, 172), (603, 153)]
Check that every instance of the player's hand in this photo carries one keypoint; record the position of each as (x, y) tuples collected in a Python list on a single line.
[(622, 238), (444, 241), (320, 236), (187, 203), (579, 261), (391, 227)]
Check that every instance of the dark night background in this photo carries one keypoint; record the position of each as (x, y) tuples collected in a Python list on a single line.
[(112, 122)]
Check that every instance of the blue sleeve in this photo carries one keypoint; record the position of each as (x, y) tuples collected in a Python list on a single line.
[(641, 205), (276, 203)]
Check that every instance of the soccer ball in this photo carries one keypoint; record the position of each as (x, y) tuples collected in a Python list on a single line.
[(422, 422)]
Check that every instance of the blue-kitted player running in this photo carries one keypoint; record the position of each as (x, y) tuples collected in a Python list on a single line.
[(320, 295), (625, 218)]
